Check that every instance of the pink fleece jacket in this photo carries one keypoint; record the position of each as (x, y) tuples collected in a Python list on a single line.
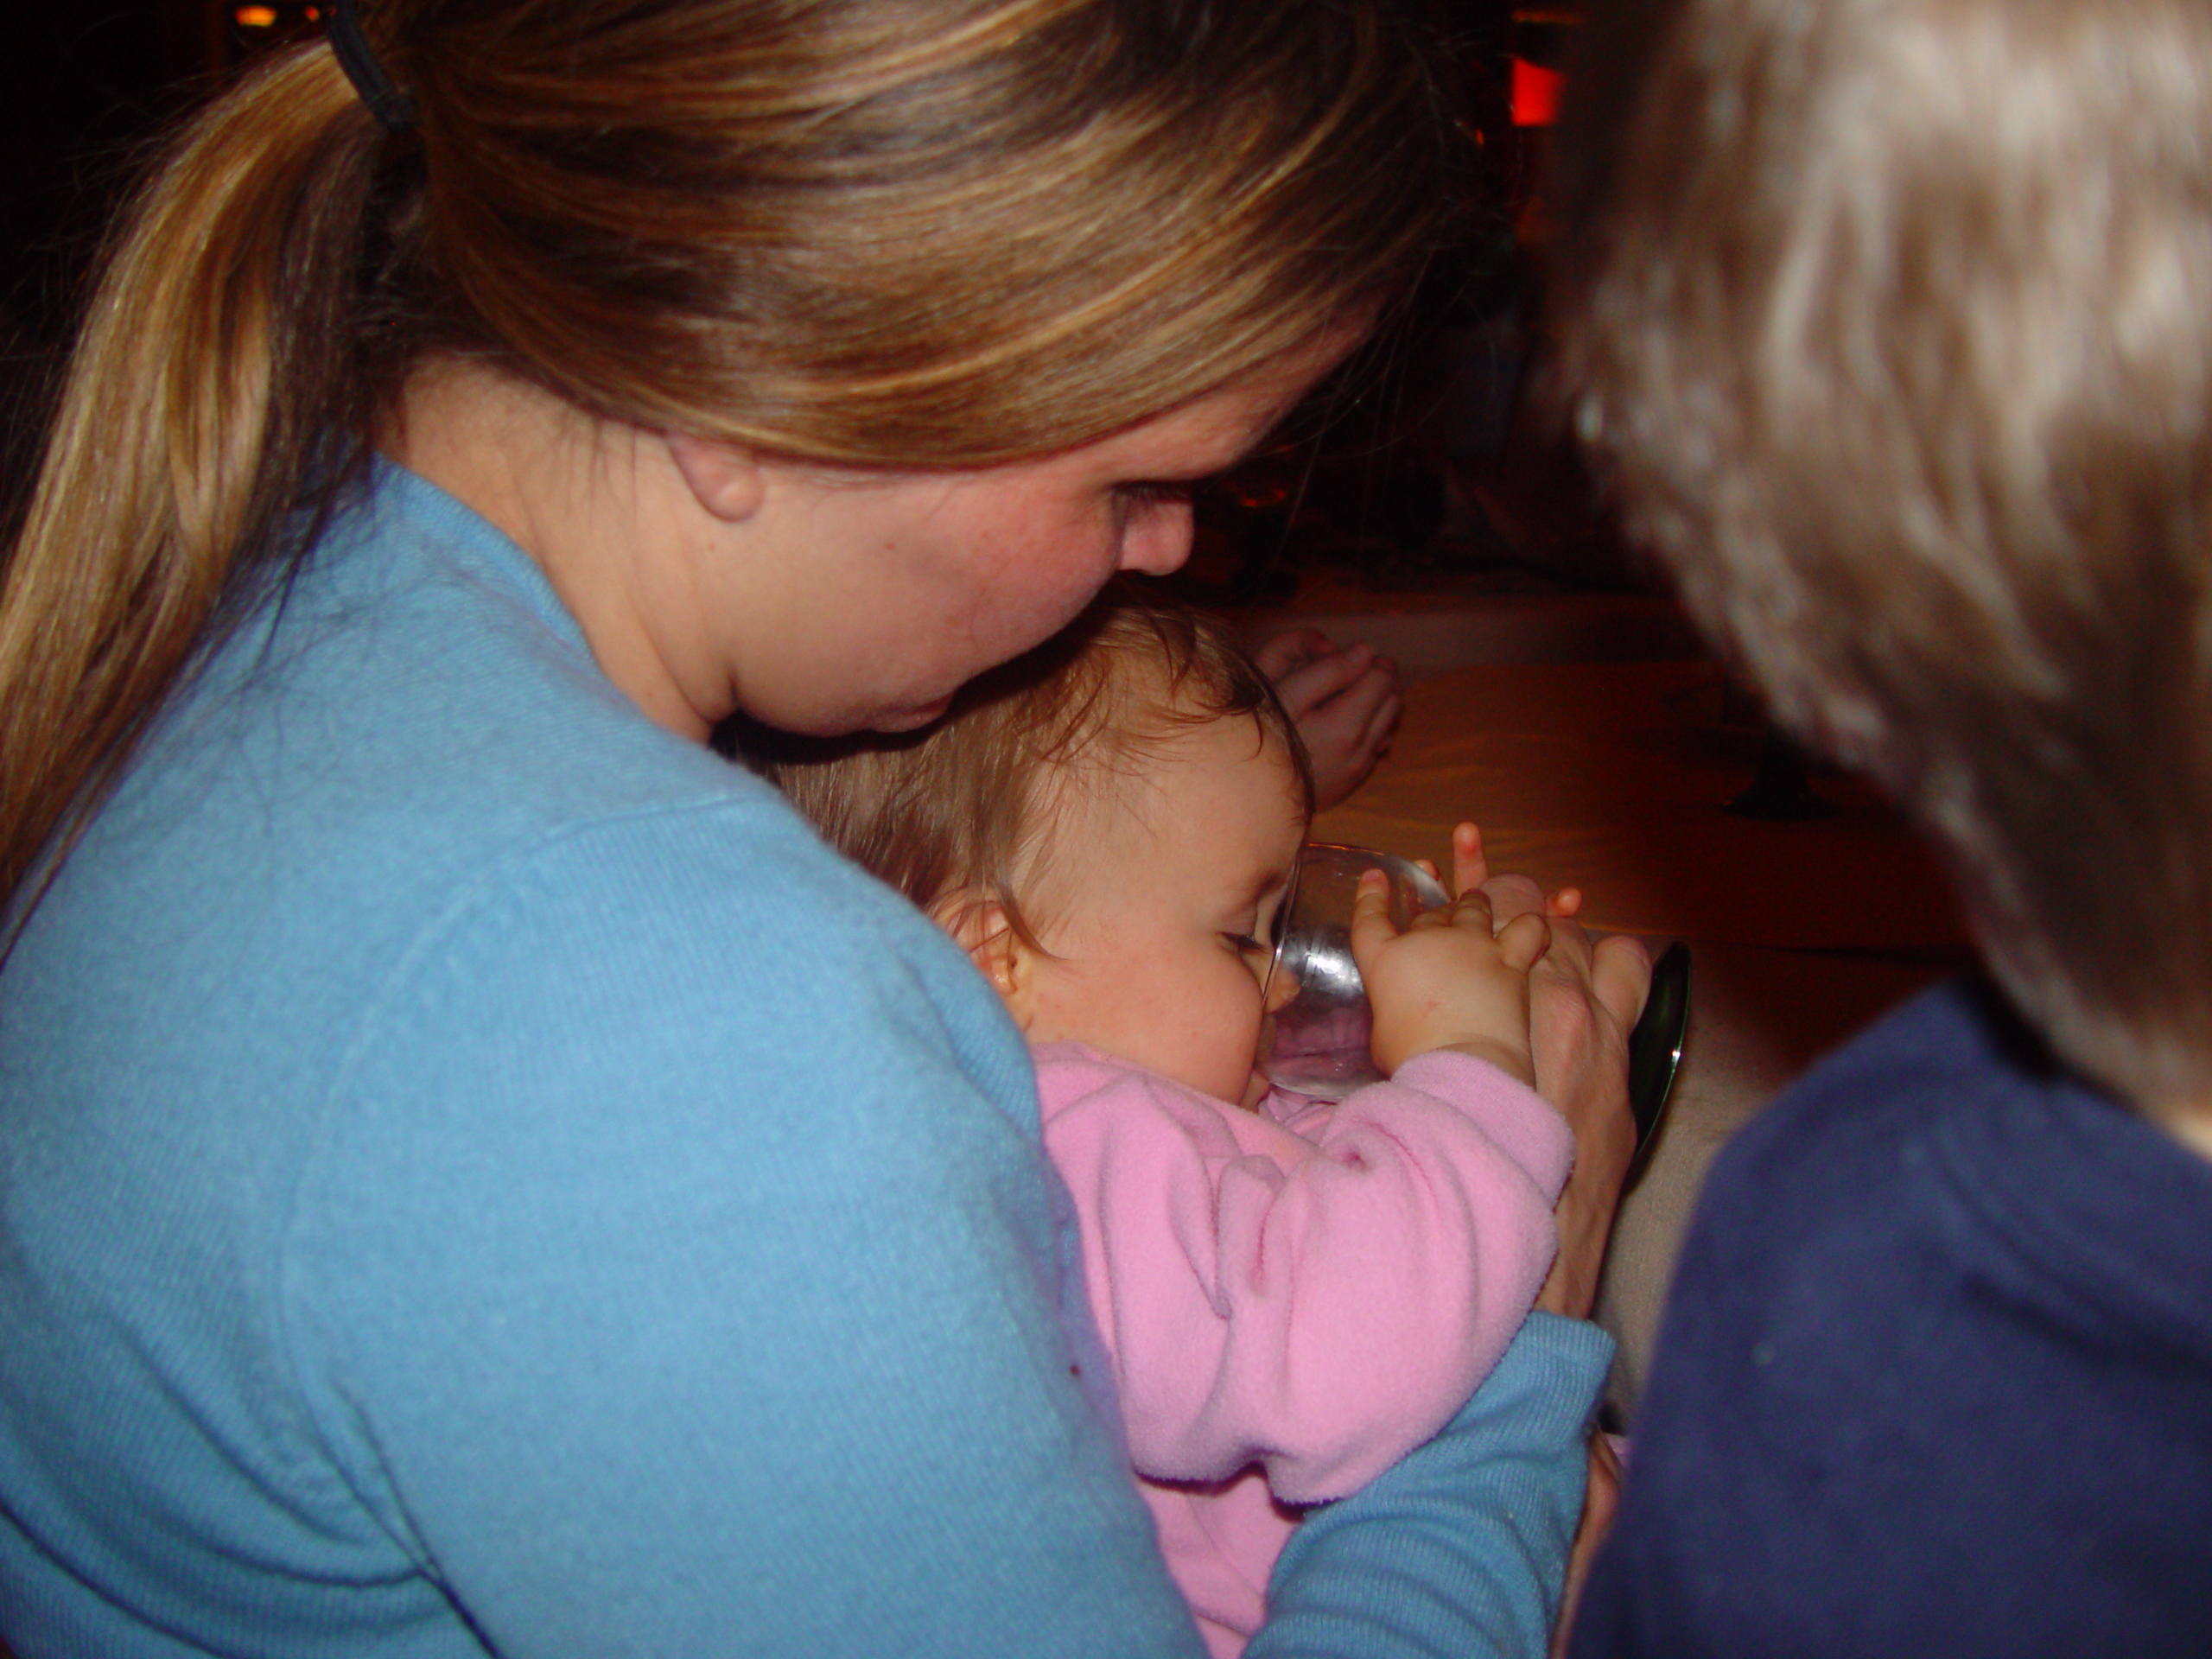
[(1295, 1297)]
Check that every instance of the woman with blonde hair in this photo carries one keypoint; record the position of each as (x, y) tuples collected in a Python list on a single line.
[(478, 1175)]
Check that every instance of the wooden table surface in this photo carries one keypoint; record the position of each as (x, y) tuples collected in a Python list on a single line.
[(1612, 777)]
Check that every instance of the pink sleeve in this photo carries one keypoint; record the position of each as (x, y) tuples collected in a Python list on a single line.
[(1320, 1301)]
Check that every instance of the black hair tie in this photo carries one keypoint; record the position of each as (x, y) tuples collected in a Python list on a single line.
[(391, 106)]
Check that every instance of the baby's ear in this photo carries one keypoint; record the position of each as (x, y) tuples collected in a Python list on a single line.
[(979, 925)]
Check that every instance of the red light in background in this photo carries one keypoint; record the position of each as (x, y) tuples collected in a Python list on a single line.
[(1535, 94)]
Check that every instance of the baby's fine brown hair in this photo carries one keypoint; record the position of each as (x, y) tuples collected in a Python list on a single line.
[(967, 812)]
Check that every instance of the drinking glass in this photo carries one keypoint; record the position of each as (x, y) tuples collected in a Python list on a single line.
[(1317, 1044), (1319, 1040)]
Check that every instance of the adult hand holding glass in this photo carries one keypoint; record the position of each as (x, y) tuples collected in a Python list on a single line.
[(1583, 999)]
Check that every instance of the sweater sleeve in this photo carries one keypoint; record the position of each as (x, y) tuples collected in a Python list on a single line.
[(1461, 1549), (1319, 1304)]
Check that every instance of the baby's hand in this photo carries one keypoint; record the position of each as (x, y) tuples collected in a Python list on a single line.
[(1451, 980)]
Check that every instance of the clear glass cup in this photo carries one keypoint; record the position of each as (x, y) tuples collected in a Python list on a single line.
[(1317, 1044)]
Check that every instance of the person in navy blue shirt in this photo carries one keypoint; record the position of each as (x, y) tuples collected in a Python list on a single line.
[(1890, 322)]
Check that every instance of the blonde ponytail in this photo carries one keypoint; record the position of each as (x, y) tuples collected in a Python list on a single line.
[(212, 378)]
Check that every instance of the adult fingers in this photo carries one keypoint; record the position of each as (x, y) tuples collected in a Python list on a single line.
[(1288, 651), (1620, 976), (1323, 678), (1601, 1502), (1382, 723), (1365, 695), (1471, 908), (1514, 895), (1339, 712)]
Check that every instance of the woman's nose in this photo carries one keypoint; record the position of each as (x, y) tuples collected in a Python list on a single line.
[(1159, 541)]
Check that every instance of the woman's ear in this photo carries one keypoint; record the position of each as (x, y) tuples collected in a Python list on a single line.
[(980, 926), (725, 477)]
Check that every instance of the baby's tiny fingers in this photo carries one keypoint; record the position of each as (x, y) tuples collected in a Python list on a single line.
[(1523, 941), (1469, 864), (1371, 927), (1471, 908)]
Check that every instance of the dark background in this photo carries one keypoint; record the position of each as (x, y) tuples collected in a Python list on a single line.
[(86, 86)]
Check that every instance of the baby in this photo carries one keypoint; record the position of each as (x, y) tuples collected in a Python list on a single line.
[(1291, 1295)]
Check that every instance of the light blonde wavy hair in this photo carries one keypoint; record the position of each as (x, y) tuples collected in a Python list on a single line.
[(909, 233), (1891, 320)]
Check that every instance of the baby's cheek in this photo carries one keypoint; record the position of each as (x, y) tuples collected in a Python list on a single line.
[(1241, 1036)]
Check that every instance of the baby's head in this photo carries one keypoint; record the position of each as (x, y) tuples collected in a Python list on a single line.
[(1106, 825)]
